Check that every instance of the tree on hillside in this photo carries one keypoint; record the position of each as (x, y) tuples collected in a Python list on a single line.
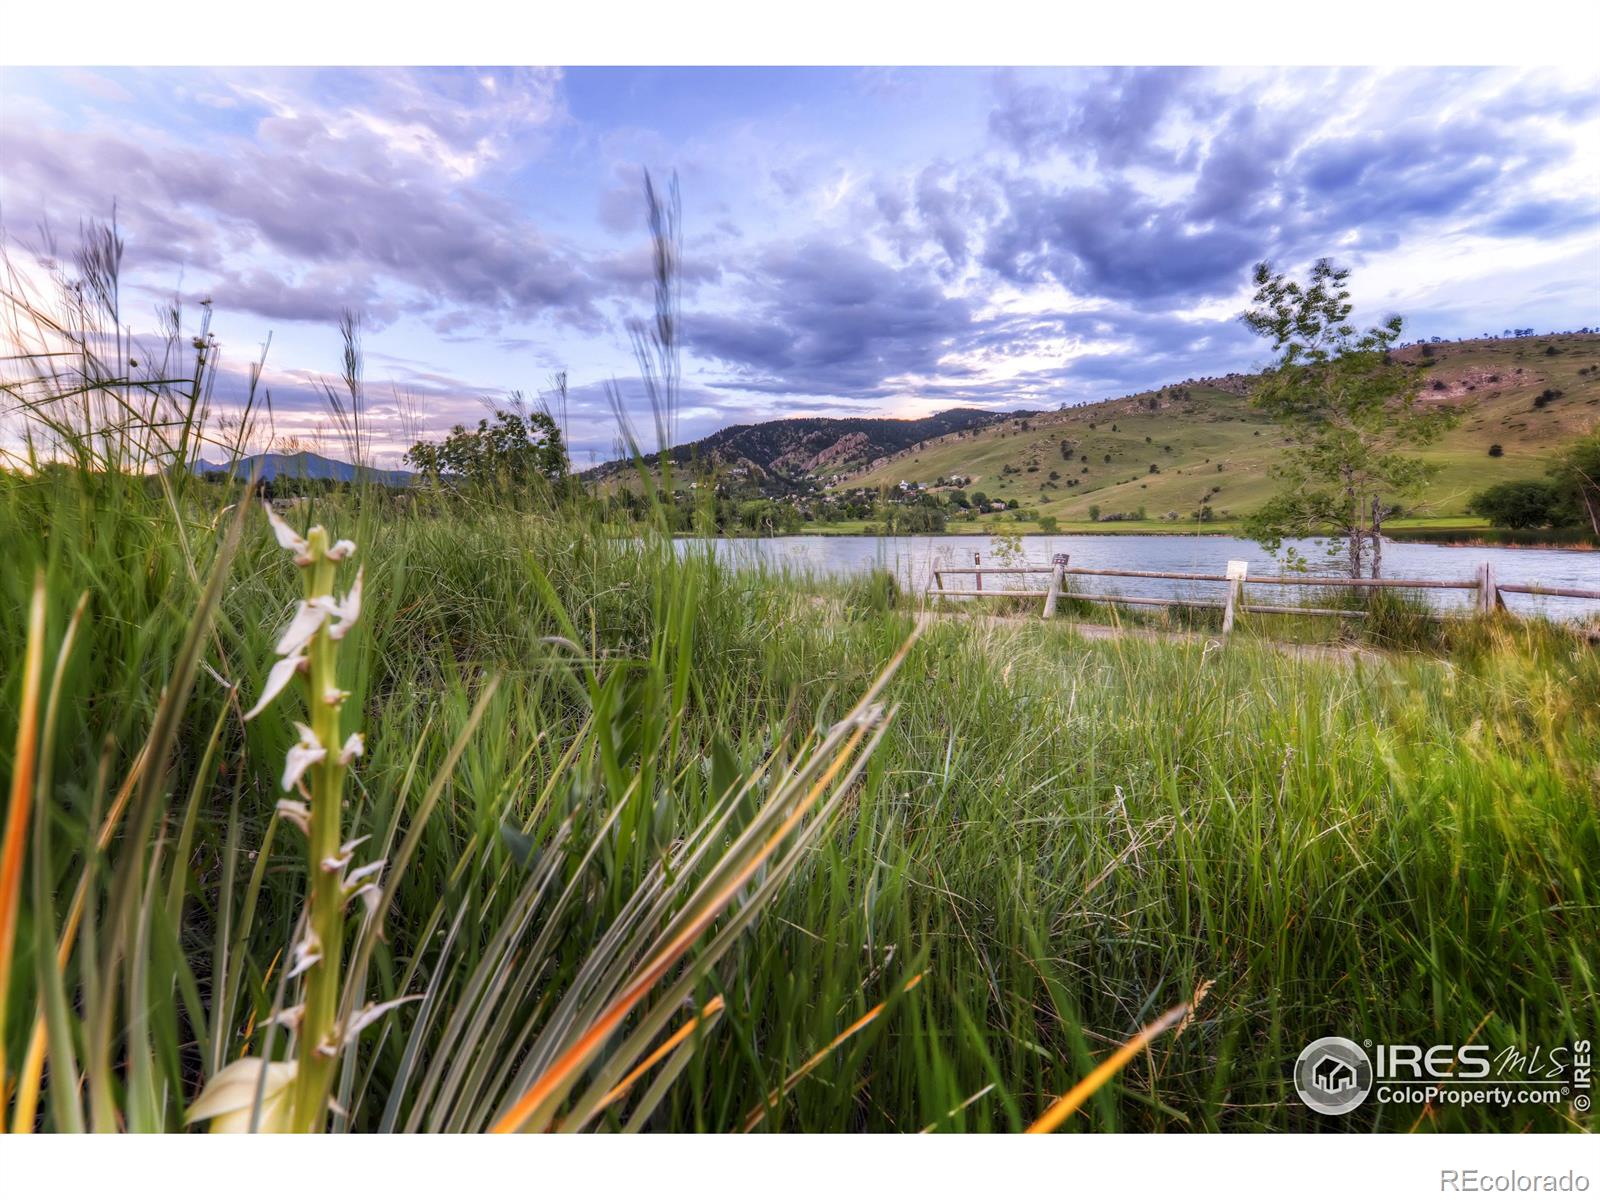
[(518, 449), (1577, 474), (1351, 408), (1568, 498), (1518, 504)]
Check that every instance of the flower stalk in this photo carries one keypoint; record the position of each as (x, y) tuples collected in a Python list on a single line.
[(317, 1049), (314, 776)]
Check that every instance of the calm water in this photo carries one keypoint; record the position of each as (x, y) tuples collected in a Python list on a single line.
[(912, 560)]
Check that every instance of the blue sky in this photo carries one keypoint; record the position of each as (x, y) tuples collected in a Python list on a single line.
[(857, 241)]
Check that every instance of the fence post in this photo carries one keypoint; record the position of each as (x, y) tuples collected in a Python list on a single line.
[(938, 575), (1237, 570), (1488, 594), (977, 561), (1057, 578)]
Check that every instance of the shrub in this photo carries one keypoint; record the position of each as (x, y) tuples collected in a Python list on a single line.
[(1496, 450), (1519, 504), (878, 591), (1397, 619)]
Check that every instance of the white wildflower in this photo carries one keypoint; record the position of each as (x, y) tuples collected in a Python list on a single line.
[(346, 611), (357, 879), (306, 954), (354, 746), (303, 755), (277, 679), (368, 1013), (309, 616), (341, 550), (287, 537), (296, 813), (289, 1017), (229, 1097)]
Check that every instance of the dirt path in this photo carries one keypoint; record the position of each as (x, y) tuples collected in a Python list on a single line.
[(1106, 633)]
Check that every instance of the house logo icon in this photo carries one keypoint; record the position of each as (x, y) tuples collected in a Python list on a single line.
[(1333, 1076)]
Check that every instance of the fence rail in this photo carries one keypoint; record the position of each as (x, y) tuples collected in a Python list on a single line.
[(1490, 594)]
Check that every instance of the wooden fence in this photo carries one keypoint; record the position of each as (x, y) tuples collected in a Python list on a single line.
[(1490, 594)]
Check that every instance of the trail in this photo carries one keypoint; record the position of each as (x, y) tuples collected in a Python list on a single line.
[(1104, 633)]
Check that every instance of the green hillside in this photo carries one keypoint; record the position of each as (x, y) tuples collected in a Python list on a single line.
[(1209, 447)]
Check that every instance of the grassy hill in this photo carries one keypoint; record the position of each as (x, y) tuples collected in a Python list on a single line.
[(1210, 447)]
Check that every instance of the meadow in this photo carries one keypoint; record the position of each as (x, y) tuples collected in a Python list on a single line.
[(675, 847)]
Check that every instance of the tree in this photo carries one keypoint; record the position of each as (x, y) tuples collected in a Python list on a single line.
[(1094, 512), (1577, 475), (1049, 524), (1351, 408), (517, 450), (1520, 504)]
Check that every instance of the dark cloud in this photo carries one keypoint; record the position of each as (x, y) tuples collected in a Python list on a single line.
[(827, 319), (1266, 183), (1112, 117), (1545, 218), (383, 193), (1112, 240), (1414, 169)]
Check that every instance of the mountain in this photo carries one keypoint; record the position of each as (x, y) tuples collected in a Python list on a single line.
[(821, 447), (1201, 443), (303, 465)]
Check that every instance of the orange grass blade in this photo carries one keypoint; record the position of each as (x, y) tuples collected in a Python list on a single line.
[(33, 1060), (1091, 1083), (24, 765), (573, 1060), (758, 1113), (712, 1009), (32, 1073), (559, 1073)]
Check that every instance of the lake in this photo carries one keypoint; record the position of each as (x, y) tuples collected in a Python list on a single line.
[(912, 559)]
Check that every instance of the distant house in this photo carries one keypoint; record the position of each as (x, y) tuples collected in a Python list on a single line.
[(997, 506)]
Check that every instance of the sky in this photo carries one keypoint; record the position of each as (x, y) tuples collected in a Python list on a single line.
[(855, 241)]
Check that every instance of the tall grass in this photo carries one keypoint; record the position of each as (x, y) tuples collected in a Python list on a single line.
[(670, 845), (1061, 839)]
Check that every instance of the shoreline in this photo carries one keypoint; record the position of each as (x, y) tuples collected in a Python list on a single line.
[(1444, 540)]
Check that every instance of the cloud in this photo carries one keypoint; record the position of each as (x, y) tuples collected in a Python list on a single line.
[(1551, 217), (379, 190), (820, 318), (1112, 117), (854, 241)]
